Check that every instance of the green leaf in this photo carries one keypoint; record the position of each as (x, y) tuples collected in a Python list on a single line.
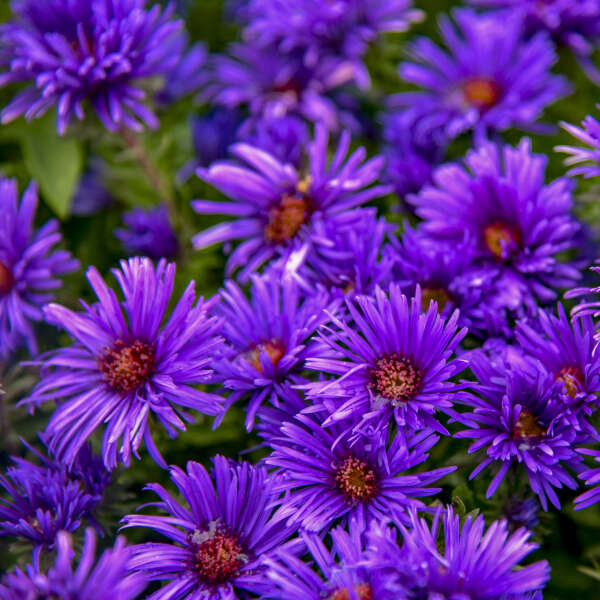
[(54, 162)]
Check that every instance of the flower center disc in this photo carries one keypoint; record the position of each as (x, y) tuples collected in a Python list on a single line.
[(273, 349), (356, 479), (572, 380), (501, 239), (395, 378), (481, 92), (527, 427), (362, 591), (126, 367), (438, 295), (219, 559), (6, 279), (286, 219)]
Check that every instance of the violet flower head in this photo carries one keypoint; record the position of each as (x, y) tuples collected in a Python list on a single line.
[(149, 233), (42, 500), (325, 477), (127, 365), (448, 559), (217, 546), (394, 364), (343, 28), (570, 353), (71, 52), (516, 223), (340, 575), (90, 580), (267, 341), (272, 85), (572, 24), (586, 160), (519, 420), (490, 79), (29, 267), (591, 478), (278, 209)]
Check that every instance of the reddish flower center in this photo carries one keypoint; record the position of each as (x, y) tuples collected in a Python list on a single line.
[(481, 92), (572, 380), (439, 295), (356, 479), (219, 558), (6, 279), (527, 426), (286, 219), (273, 349), (501, 239), (290, 86), (362, 591), (395, 378), (128, 366)]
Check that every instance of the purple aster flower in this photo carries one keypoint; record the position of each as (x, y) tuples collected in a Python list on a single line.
[(572, 24), (589, 306), (569, 352), (448, 559), (29, 267), (520, 421), (267, 340), (91, 580), (587, 158), (591, 477), (325, 477), (491, 79), (516, 222), (221, 541), (149, 233), (394, 364), (340, 574), (42, 500), (72, 51), (272, 84), (355, 263), (278, 209), (521, 512), (343, 28), (126, 365)]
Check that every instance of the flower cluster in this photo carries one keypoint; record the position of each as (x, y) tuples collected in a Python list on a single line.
[(353, 341)]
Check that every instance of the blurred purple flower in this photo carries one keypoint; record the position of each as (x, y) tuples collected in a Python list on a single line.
[(491, 80), (149, 233), (90, 580), (29, 267), (587, 158), (72, 51)]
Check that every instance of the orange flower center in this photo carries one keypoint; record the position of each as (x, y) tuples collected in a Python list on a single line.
[(362, 591), (527, 427), (572, 380), (273, 349), (395, 378), (126, 367), (438, 295), (501, 239), (481, 92), (6, 279), (357, 480), (286, 219)]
